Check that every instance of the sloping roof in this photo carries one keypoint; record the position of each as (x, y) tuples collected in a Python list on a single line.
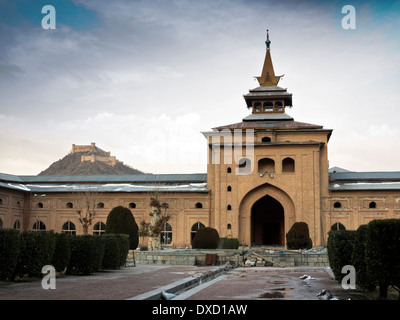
[(196, 182), (269, 125), (353, 181)]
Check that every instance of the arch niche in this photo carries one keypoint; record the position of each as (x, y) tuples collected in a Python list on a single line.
[(266, 213)]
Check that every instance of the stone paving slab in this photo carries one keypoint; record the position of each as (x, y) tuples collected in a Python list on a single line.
[(261, 283), (109, 285)]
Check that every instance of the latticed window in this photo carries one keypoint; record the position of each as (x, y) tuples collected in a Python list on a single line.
[(39, 226), (166, 233), (69, 227), (99, 228)]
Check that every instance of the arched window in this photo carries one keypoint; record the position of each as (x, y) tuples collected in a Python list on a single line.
[(229, 188), (266, 139), (229, 170), (132, 205), (372, 205), (100, 205), (288, 165), (278, 106), (1, 223), (39, 205), (69, 228), (99, 228), (198, 225), (1, 201), (39, 226), (199, 205), (337, 226), (266, 165), (69, 205), (17, 225), (268, 106), (229, 207), (244, 166), (337, 205), (18, 204), (257, 106), (229, 226), (166, 233)]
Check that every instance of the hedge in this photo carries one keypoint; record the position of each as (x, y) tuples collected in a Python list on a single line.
[(111, 258), (123, 242), (120, 220), (206, 238), (382, 251), (363, 279), (9, 252), (298, 237), (62, 252), (36, 251), (229, 243), (340, 249), (85, 254)]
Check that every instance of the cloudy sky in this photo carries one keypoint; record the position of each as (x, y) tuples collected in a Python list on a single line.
[(143, 79)]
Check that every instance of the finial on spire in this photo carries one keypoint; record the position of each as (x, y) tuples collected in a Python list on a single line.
[(268, 42)]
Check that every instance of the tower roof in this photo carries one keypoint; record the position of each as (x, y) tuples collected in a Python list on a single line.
[(268, 78)]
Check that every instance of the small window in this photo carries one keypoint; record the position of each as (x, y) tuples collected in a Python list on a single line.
[(199, 205), (132, 205), (337, 204), (100, 205), (39, 226), (372, 205), (69, 205), (266, 139), (338, 226), (229, 207), (229, 170), (288, 165), (266, 165), (1, 201), (1, 223), (18, 204), (229, 188), (99, 228), (278, 106), (69, 228), (244, 166), (229, 226), (39, 205), (268, 106)]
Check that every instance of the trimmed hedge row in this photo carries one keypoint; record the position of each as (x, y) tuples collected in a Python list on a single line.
[(229, 243), (373, 250), (25, 253), (298, 237), (206, 238)]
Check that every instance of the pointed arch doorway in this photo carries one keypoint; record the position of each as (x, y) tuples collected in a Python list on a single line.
[(267, 222)]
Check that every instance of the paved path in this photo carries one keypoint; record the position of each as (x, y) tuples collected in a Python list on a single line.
[(254, 283), (111, 285)]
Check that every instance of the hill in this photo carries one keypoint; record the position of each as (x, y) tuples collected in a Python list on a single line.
[(88, 160)]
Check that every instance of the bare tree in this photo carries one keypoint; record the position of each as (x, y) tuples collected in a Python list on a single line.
[(158, 218), (87, 204)]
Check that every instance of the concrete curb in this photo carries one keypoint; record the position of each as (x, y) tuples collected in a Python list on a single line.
[(180, 284)]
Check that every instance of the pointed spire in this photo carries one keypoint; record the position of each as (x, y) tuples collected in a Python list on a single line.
[(267, 42), (268, 78)]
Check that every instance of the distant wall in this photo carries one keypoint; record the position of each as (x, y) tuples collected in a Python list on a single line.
[(100, 155)]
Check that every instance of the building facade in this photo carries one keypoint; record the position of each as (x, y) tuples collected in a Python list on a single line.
[(263, 174)]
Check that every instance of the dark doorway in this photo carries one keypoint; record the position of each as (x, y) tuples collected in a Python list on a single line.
[(267, 222)]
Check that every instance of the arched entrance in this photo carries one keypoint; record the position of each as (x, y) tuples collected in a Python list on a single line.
[(260, 208), (267, 222)]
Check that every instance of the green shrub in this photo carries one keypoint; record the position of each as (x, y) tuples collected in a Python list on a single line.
[(382, 251), (123, 242), (298, 236), (206, 238), (121, 220), (62, 252), (100, 251), (363, 279), (36, 251), (111, 258), (229, 243), (9, 252), (340, 249), (85, 254)]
